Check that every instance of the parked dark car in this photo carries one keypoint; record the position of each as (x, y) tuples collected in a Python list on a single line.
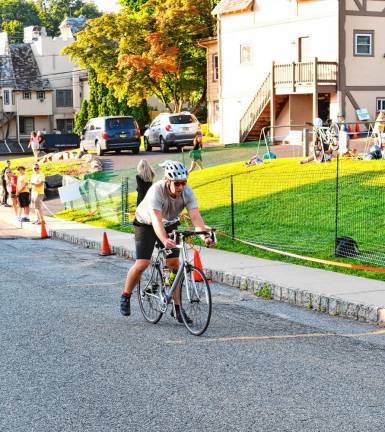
[(111, 134)]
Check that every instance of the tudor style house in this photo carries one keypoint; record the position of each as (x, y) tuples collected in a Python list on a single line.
[(286, 62), (39, 88)]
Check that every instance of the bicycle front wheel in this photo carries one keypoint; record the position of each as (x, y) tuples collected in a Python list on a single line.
[(148, 294), (195, 301)]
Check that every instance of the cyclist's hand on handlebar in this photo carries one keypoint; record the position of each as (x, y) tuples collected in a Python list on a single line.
[(209, 242), (169, 244)]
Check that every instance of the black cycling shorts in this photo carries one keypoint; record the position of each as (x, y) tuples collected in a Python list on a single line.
[(24, 199), (145, 239)]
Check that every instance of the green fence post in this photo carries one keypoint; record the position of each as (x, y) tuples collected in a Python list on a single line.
[(124, 201), (232, 207), (337, 201)]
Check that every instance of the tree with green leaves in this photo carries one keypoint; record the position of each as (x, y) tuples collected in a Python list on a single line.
[(150, 52), (81, 118), (53, 12), (17, 14)]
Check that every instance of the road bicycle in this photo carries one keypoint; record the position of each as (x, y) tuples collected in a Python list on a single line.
[(325, 140), (155, 290)]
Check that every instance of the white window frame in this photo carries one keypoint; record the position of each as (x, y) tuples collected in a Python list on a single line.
[(27, 95), (215, 60), (40, 95), (364, 33), (243, 58)]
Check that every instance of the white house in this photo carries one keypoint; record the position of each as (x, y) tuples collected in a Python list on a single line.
[(285, 62), (40, 89)]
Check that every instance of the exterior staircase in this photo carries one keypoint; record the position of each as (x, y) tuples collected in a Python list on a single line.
[(257, 115)]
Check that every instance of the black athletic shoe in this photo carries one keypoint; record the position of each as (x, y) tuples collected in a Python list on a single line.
[(125, 308), (178, 315)]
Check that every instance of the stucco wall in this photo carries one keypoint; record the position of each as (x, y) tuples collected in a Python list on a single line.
[(272, 32)]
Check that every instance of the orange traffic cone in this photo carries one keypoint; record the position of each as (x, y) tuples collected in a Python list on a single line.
[(355, 135), (44, 233), (198, 264), (106, 250)]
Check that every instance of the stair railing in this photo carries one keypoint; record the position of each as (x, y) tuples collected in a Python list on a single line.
[(254, 110)]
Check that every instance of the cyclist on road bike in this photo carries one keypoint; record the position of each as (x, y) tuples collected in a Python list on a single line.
[(163, 203)]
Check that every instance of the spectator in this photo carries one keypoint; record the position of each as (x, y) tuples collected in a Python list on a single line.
[(34, 144), (253, 161), (22, 190), (379, 129), (37, 193), (11, 181), (41, 139), (144, 179), (4, 183), (196, 154), (342, 122)]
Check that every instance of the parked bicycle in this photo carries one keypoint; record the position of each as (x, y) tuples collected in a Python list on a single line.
[(156, 288), (325, 139)]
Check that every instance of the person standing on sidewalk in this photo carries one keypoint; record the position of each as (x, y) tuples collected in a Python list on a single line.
[(11, 180), (144, 179), (22, 191), (4, 183), (37, 193)]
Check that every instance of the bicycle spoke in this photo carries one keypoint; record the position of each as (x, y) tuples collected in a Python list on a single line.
[(195, 300), (148, 295)]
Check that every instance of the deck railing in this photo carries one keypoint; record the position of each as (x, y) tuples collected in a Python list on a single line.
[(291, 75), (300, 74)]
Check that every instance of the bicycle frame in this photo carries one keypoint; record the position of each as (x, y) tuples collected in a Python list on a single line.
[(167, 294)]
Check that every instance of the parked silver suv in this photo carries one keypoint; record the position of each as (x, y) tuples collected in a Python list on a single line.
[(171, 130)]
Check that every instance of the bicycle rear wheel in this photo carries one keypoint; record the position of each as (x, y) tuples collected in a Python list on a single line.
[(195, 301), (148, 294)]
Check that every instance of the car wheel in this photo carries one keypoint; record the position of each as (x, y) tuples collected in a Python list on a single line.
[(163, 145), (99, 151), (147, 146), (82, 149), (135, 150), (118, 151)]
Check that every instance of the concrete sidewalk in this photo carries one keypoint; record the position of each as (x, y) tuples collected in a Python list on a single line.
[(324, 291)]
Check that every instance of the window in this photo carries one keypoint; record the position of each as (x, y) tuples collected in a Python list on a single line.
[(380, 104), (64, 98), (65, 125), (40, 95), (27, 95), (364, 43), (27, 125), (216, 111), (6, 97), (245, 54), (121, 123), (215, 67), (182, 119)]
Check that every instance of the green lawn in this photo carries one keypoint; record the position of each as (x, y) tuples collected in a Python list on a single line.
[(290, 207)]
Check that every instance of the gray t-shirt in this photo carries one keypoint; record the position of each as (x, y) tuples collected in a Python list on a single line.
[(157, 198)]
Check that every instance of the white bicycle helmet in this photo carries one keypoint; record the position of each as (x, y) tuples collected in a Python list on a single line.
[(175, 171)]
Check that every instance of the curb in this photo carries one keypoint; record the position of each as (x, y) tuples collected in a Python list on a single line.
[(332, 306)]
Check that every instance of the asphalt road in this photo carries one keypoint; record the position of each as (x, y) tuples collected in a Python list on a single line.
[(70, 362)]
